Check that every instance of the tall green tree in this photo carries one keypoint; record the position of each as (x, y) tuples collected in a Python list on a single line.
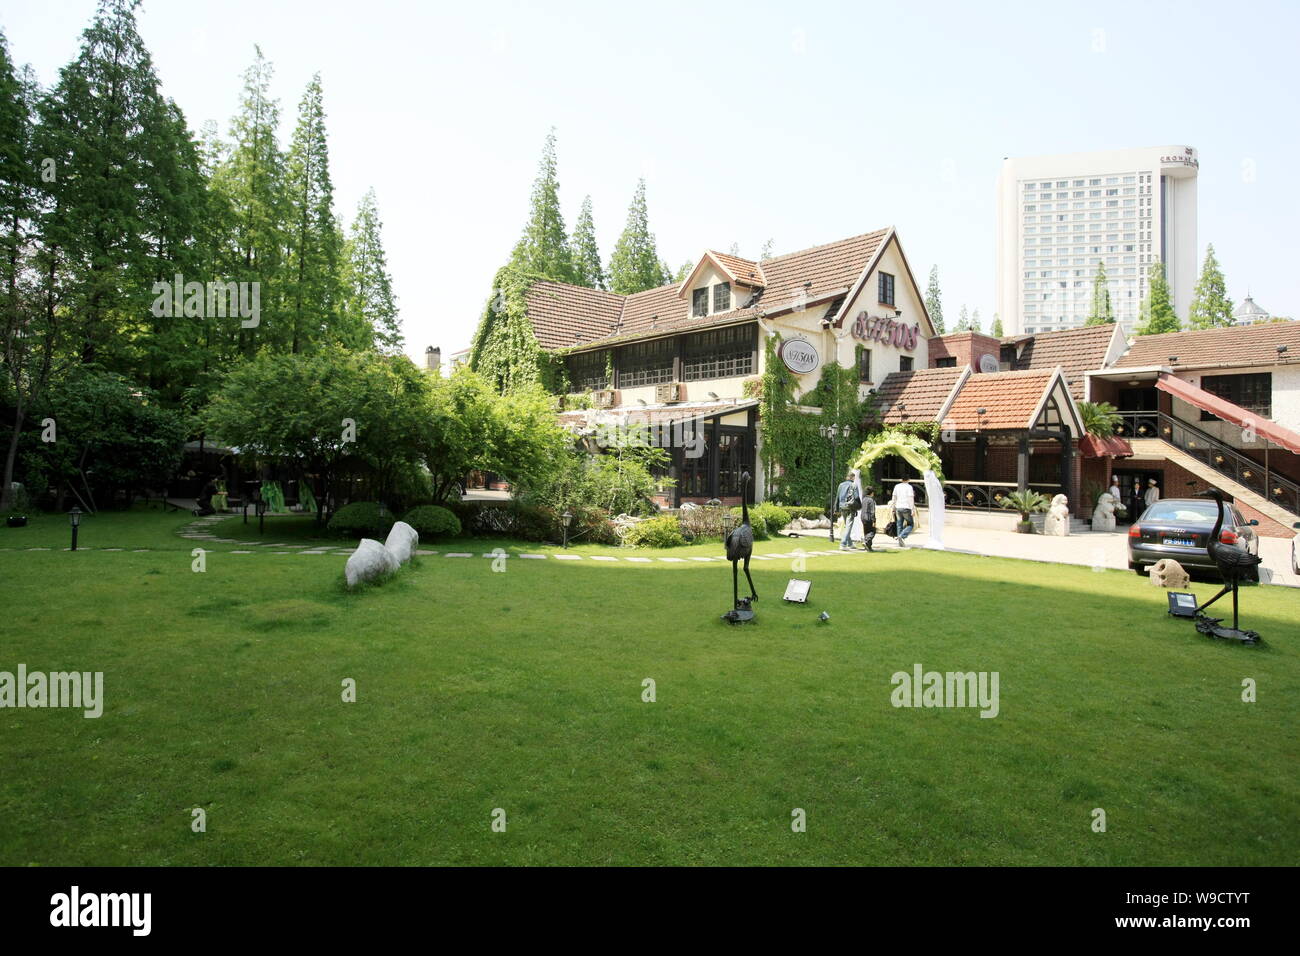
[(1210, 303), (587, 267), (975, 323), (124, 196), (1101, 311), (370, 308), (543, 249), (315, 244), (934, 300), (1157, 314), (963, 320), (249, 186), (635, 265), (996, 330)]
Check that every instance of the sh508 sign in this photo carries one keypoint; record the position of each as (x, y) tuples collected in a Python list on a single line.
[(886, 331), (799, 356)]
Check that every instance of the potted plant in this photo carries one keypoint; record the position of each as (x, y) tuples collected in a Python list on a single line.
[(1027, 503)]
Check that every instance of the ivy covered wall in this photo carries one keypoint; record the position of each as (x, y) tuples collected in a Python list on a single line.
[(505, 348)]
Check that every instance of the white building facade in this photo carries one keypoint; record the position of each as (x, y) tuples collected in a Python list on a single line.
[(1062, 218)]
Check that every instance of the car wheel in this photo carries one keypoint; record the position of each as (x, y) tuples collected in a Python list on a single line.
[(1137, 566)]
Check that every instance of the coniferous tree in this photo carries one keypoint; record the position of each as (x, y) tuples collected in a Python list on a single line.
[(543, 249), (371, 310), (122, 203), (996, 330), (963, 320), (1210, 303), (587, 267), (1101, 312), (1157, 310), (315, 242), (934, 300), (249, 183), (975, 321), (635, 265)]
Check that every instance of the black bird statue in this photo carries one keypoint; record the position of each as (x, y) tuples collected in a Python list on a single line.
[(740, 546), (1233, 562)]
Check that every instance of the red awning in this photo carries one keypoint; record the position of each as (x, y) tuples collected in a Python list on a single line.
[(1093, 447), (1221, 407)]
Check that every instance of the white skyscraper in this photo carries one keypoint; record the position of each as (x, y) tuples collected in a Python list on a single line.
[(1060, 218)]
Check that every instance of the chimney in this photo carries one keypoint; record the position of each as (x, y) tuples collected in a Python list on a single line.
[(433, 358)]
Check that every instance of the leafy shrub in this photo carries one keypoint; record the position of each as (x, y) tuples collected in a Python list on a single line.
[(766, 519), (661, 532), (432, 521), (362, 519), (811, 512), (705, 522), (593, 525)]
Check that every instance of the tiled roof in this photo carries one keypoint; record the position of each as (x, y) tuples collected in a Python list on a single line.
[(924, 392), (1008, 400), (745, 270), (1075, 350), (565, 316), (1219, 348)]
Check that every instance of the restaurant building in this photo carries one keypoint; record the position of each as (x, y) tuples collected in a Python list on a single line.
[(683, 360)]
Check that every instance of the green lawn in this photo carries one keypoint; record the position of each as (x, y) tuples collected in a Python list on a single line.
[(522, 690)]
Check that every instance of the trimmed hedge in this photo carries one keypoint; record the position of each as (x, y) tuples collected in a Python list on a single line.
[(661, 532), (766, 519), (432, 521), (810, 512), (362, 519)]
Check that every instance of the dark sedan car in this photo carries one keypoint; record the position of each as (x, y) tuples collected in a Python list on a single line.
[(1179, 528)]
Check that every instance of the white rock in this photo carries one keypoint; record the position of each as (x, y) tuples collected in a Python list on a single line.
[(371, 560), (402, 541)]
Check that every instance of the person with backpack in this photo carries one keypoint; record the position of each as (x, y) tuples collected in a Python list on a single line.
[(868, 517), (848, 502)]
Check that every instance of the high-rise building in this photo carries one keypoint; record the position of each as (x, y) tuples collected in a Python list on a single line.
[(1062, 218)]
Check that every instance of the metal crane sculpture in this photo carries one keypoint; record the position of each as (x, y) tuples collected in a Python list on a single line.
[(740, 547), (1232, 562)]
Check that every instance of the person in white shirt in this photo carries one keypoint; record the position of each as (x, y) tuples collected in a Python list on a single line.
[(904, 505), (1114, 489), (1153, 493)]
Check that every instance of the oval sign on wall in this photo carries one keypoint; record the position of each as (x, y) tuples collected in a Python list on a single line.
[(799, 356), (988, 363)]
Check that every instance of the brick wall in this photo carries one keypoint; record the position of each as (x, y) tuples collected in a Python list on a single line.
[(965, 347)]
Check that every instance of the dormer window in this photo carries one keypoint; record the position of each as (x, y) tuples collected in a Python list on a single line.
[(700, 302), (722, 297)]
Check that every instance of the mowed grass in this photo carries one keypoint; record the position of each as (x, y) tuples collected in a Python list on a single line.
[(523, 691)]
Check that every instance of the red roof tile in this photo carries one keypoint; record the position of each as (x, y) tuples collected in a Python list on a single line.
[(924, 392), (1075, 350), (1241, 345), (1009, 400)]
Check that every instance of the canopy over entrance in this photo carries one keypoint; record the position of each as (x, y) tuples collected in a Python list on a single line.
[(1209, 402)]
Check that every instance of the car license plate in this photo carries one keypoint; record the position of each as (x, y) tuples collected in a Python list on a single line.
[(1180, 542)]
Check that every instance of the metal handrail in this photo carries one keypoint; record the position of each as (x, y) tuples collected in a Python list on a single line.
[(1208, 450)]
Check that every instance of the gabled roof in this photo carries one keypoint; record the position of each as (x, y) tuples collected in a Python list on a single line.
[(1076, 351), (1011, 400), (923, 395), (740, 271), (565, 316), (1224, 347)]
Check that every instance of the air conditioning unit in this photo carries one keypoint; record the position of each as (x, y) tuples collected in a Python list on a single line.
[(604, 398), (668, 394)]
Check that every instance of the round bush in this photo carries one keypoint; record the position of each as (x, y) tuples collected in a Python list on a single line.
[(433, 521), (810, 512), (766, 519), (661, 532), (361, 519)]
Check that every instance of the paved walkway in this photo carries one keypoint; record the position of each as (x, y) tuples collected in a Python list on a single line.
[(1087, 549)]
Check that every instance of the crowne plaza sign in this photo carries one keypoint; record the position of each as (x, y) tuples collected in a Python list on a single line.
[(886, 331)]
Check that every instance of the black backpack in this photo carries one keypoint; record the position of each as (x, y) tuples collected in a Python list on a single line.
[(853, 502)]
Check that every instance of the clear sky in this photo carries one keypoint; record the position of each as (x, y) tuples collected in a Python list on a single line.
[(801, 122)]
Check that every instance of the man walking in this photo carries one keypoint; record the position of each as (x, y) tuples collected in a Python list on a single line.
[(868, 515), (904, 504), (847, 503)]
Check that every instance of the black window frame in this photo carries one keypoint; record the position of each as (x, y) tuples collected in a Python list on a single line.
[(700, 301), (1244, 390), (864, 365), (885, 288), (729, 352), (588, 371), (906, 363), (946, 361), (646, 363), (722, 297)]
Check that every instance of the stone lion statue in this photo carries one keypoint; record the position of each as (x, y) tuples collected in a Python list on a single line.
[(1057, 521), (1103, 516)]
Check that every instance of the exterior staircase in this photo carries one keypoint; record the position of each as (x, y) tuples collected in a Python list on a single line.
[(1156, 448)]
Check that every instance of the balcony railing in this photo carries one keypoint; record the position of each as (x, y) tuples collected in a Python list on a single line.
[(1208, 450)]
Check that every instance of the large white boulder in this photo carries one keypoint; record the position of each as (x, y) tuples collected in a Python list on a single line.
[(371, 560), (402, 541)]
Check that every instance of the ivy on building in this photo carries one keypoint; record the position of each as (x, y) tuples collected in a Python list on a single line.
[(505, 349), (796, 458)]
